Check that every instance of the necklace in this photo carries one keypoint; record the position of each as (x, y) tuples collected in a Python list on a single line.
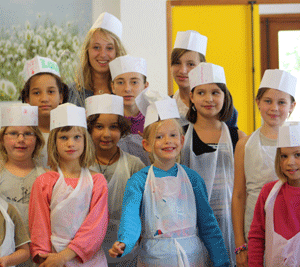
[(98, 161)]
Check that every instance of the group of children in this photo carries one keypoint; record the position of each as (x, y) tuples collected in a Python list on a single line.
[(75, 179)]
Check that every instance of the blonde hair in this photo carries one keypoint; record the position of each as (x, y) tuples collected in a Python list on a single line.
[(150, 132), (278, 170), (87, 157), (39, 143), (83, 77)]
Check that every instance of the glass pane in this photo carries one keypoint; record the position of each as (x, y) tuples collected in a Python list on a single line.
[(289, 60)]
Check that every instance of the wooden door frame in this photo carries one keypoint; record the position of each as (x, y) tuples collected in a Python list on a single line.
[(284, 22), (171, 3)]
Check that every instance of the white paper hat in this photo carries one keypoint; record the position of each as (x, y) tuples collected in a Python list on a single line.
[(109, 22), (104, 104), (19, 115), (38, 65), (289, 134), (206, 73), (67, 115), (127, 64), (163, 110), (280, 80), (191, 40)]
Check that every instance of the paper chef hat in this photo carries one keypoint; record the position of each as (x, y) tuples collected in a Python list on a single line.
[(19, 115), (280, 80), (104, 104), (289, 134), (109, 22), (67, 115), (206, 73), (127, 64), (38, 65), (191, 40)]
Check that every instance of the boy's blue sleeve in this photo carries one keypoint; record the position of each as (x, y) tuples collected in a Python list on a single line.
[(208, 228), (130, 225)]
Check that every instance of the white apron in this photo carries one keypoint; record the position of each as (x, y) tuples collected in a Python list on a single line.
[(69, 208), (169, 230), (8, 245), (279, 251), (217, 170), (132, 144), (116, 189), (259, 169)]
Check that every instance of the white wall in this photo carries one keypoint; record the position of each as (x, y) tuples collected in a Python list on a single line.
[(279, 9)]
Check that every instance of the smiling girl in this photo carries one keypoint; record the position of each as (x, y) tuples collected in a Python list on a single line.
[(254, 155), (209, 142), (102, 44), (166, 202), (274, 235), (68, 212)]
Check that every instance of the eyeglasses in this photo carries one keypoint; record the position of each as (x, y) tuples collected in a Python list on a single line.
[(26, 135)]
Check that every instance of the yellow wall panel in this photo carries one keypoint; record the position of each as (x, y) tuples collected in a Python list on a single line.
[(228, 28)]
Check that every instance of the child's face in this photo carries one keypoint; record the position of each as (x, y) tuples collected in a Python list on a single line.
[(106, 133), (181, 69), (44, 93), (166, 143), (275, 106), (19, 142), (129, 86), (208, 100), (101, 51), (290, 164), (70, 145)]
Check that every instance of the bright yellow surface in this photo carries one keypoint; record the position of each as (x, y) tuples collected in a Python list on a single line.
[(228, 28)]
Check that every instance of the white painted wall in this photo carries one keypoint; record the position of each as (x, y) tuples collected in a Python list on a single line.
[(279, 9)]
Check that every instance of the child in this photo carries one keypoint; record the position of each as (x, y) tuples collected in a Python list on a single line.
[(274, 233), (102, 44), (209, 142), (107, 125), (14, 248), (189, 50), (68, 212), (166, 202), (45, 89), (254, 155), (129, 80)]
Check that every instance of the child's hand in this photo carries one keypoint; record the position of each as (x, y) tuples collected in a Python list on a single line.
[(3, 261), (242, 259), (117, 249), (52, 260)]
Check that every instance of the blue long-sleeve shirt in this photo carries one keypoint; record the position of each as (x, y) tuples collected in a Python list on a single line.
[(132, 212)]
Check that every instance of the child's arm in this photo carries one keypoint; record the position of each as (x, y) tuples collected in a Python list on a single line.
[(239, 201), (256, 244), (117, 249), (57, 259), (21, 255), (89, 237)]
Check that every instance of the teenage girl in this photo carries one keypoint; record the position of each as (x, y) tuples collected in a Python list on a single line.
[(68, 212), (45, 89), (20, 144), (209, 142), (189, 50), (254, 155), (107, 125), (166, 202), (274, 236), (102, 44)]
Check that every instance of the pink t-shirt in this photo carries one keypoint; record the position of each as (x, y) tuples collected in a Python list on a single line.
[(286, 219), (137, 123), (90, 235)]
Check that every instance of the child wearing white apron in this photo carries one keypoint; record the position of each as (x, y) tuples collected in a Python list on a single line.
[(274, 237), (68, 212), (166, 202), (255, 155), (14, 240), (211, 105), (106, 124)]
